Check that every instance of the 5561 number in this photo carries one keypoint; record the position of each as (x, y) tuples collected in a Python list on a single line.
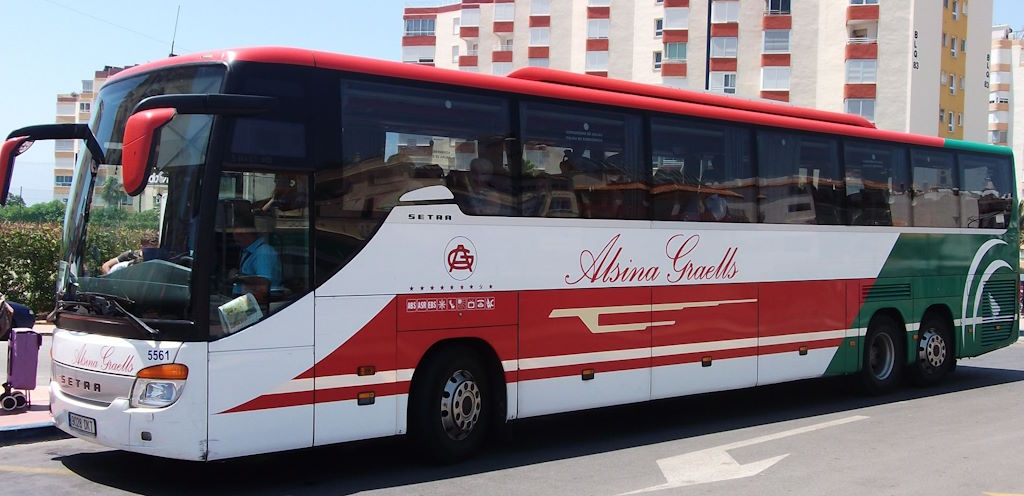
[(158, 355)]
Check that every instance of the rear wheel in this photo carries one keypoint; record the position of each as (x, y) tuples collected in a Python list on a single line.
[(883, 352), (450, 407), (935, 352)]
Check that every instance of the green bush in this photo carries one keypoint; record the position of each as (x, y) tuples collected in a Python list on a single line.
[(30, 253), (28, 263)]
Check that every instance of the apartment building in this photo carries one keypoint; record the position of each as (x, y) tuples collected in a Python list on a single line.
[(77, 107), (1006, 69), (898, 63)]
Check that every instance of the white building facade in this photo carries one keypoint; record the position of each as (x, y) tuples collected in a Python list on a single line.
[(888, 60)]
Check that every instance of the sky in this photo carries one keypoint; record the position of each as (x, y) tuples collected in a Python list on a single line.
[(50, 46)]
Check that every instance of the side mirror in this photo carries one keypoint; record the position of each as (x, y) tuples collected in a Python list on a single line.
[(10, 149), (141, 131), (138, 153)]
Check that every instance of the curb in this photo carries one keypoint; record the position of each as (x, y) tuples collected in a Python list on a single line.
[(31, 433)]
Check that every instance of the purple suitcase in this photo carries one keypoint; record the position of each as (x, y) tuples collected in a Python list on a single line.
[(23, 358)]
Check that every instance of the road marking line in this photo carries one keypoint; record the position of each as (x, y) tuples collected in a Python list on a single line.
[(716, 464)]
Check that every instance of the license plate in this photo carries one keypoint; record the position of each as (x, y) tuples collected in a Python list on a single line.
[(82, 424)]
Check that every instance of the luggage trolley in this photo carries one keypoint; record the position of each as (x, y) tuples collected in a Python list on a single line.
[(22, 360)]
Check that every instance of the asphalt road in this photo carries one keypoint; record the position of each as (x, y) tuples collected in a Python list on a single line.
[(813, 437)]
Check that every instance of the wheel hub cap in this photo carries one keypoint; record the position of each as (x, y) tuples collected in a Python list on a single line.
[(933, 349), (460, 405)]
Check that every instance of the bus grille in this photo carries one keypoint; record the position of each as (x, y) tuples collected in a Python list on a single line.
[(886, 292), (998, 305)]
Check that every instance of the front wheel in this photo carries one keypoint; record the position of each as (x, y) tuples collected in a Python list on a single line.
[(450, 405), (935, 357)]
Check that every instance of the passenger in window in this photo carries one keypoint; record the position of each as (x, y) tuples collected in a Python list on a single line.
[(486, 190), (286, 195), (259, 266)]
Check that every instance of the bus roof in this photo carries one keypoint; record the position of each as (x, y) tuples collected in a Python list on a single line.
[(617, 85), (569, 86)]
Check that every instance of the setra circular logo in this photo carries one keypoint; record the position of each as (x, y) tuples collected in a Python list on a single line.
[(460, 258)]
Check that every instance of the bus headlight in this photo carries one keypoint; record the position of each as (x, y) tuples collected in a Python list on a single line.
[(159, 386)]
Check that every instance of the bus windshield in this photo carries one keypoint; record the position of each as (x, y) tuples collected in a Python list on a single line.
[(138, 251)]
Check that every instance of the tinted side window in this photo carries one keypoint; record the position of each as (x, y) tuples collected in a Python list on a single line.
[(396, 139), (986, 191), (800, 181), (701, 172), (877, 184), (582, 163), (936, 203)]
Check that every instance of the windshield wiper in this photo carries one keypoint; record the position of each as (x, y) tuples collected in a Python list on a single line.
[(107, 304)]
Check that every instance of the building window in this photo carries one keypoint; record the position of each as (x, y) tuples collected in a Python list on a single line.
[(471, 17), (864, 107), (455, 26), (539, 62), (945, 4), (657, 60), (944, 43), (455, 54), (419, 27), (599, 3), (540, 7), (723, 47), (956, 14), (942, 78), (942, 115), (949, 121), (963, 45), (775, 78), (952, 47), (597, 61), (952, 84), (723, 82), (962, 82), (540, 36), (777, 7), (65, 108), (861, 71), (776, 41), (675, 52), (62, 180), (677, 18), (418, 54), (598, 28), (64, 145), (659, 25), (960, 119), (84, 106), (503, 45), (863, 2), (997, 136), (473, 50), (504, 12), (725, 11), (501, 68)]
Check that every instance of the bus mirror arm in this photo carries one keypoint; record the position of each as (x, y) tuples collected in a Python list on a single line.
[(142, 130), (209, 104), (20, 140)]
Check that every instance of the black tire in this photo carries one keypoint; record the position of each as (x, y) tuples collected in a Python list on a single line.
[(8, 402), (935, 352), (450, 405), (884, 356)]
